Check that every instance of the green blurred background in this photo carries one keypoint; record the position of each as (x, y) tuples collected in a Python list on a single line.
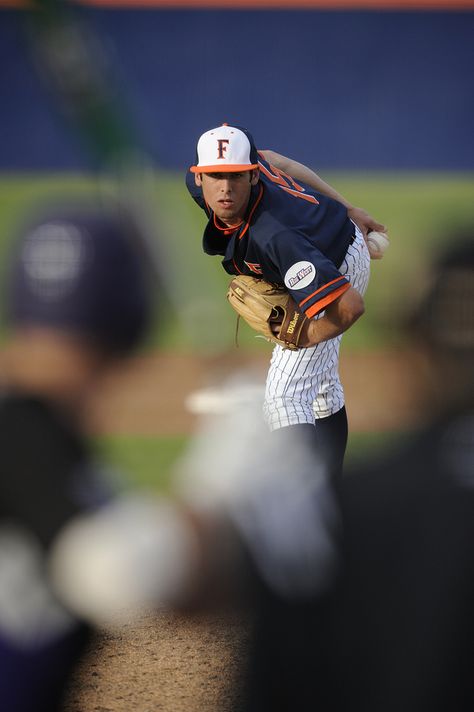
[(422, 212)]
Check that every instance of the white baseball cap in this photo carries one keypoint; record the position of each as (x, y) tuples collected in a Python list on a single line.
[(225, 149)]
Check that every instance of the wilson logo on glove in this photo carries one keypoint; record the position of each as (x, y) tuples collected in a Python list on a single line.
[(293, 323)]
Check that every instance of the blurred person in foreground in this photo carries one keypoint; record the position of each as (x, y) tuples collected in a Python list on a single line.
[(362, 593), (79, 300), (402, 628), (394, 627)]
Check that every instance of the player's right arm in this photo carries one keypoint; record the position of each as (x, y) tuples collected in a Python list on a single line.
[(299, 171)]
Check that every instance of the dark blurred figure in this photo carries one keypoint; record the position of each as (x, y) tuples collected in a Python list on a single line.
[(404, 607), (79, 299), (394, 629)]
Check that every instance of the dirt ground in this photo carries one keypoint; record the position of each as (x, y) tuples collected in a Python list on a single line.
[(169, 663), (163, 662), (148, 396)]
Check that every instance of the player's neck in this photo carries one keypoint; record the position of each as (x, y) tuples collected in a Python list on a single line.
[(231, 224), (227, 226)]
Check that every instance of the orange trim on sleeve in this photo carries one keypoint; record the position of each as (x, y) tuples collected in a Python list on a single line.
[(325, 286), (312, 311)]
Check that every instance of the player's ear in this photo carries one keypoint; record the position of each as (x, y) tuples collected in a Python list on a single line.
[(255, 176), (198, 179)]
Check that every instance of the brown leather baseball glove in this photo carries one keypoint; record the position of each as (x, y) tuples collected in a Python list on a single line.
[(270, 310)]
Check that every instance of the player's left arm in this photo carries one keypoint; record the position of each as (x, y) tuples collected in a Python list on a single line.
[(338, 317), (299, 171)]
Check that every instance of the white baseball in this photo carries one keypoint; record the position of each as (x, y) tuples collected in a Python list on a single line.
[(377, 242)]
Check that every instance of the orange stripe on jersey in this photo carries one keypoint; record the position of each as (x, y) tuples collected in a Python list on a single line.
[(239, 271), (276, 176), (252, 212), (325, 286), (282, 179), (299, 194), (279, 176), (312, 311)]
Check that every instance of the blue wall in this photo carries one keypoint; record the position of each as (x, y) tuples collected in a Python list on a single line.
[(390, 90)]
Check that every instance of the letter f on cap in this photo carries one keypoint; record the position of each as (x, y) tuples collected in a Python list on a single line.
[(221, 147)]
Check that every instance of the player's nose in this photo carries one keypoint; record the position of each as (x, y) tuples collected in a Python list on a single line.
[(225, 185)]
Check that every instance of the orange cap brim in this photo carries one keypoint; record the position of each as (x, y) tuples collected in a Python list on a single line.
[(223, 169)]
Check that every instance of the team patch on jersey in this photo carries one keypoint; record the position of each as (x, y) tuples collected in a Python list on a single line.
[(300, 275)]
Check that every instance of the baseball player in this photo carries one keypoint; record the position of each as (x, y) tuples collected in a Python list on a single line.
[(297, 234)]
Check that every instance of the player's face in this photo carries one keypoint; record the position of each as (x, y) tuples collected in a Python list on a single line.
[(227, 194)]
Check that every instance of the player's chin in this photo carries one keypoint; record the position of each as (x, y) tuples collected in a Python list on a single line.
[(226, 214)]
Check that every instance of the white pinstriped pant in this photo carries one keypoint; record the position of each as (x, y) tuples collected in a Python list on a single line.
[(303, 386)]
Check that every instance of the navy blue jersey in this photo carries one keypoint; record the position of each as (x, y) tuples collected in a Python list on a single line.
[(291, 235)]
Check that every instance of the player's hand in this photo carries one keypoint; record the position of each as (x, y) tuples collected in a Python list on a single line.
[(304, 341), (275, 325), (364, 221)]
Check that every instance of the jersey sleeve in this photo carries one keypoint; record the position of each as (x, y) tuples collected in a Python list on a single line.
[(312, 279), (194, 190)]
